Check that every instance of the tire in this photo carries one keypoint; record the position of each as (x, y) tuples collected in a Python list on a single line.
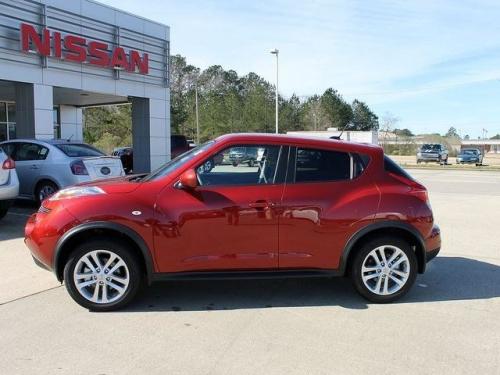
[(251, 163), (405, 264), (43, 190), (235, 163), (4, 207), (129, 274)]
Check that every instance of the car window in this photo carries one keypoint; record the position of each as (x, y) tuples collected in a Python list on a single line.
[(313, 165), (78, 150), (391, 167), (241, 165), (30, 151)]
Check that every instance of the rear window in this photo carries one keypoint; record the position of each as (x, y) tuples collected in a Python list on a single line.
[(78, 150), (391, 167)]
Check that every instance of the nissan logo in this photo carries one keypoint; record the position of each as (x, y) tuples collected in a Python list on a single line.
[(105, 171)]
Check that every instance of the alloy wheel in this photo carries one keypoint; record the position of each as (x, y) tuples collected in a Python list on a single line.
[(385, 270), (101, 276)]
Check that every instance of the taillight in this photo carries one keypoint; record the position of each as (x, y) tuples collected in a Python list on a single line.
[(9, 164), (78, 168), (416, 188)]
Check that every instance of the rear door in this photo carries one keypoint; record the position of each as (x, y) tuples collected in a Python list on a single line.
[(327, 197), (29, 158)]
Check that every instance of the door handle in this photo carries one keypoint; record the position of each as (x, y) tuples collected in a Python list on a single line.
[(34, 166), (261, 204)]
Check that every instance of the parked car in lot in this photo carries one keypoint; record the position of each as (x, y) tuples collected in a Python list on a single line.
[(44, 167), (432, 152), (470, 156), (239, 155), (9, 183), (178, 145), (350, 211)]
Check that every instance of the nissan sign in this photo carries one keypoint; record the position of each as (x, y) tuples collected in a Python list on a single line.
[(80, 50)]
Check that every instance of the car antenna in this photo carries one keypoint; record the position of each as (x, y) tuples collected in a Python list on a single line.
[(337, 137), (69, 139)]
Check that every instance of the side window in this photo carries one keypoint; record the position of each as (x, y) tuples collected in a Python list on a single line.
[(241, 165), (320, 165), (359, 164), (31, 151)]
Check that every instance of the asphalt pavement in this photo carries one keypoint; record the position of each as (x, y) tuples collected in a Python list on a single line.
[(448, 323)]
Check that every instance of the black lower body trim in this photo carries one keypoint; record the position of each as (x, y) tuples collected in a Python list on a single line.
[(223, 275)]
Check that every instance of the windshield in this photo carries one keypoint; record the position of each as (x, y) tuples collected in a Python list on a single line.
[(430, 147), (179, 161), (469, 152), (78, 150)]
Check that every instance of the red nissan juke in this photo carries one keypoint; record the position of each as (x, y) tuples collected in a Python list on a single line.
[(298, 207)]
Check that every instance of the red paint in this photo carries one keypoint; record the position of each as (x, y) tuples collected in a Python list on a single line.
[(80, 50), (255, 227)]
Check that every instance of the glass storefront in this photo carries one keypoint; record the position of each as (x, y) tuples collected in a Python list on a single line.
[(7, 121)]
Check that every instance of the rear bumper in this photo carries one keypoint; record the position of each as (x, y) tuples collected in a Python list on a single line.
[(430, 255), (10, 190), (433, 244)]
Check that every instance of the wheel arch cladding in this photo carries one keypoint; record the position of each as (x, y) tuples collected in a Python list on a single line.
[(388, 228), (79, 234)]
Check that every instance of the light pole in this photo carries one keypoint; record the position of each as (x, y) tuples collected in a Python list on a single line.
[(276, 52), (197, 118)]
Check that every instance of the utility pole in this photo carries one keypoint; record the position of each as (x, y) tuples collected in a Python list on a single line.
[(276, 52), (197, 118)]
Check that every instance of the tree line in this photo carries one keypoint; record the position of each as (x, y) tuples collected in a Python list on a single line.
[(227, 103), (230, 103)]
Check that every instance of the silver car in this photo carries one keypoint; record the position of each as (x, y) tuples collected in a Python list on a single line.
[(43, 167), (9, 184)]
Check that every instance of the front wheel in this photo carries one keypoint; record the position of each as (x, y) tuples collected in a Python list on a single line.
[(384, 269), (102, 275)]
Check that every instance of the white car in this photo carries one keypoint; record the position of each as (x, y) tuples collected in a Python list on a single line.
[(9, 183), (44, 167)]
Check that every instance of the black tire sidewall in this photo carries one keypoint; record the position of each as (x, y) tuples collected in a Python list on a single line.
[(41, 186), (360, 257), (127, 256)]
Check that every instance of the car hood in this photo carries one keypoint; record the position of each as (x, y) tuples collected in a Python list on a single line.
[(467, 156), (117, 185)]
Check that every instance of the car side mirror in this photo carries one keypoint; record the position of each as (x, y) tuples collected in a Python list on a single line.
[(188, 179)]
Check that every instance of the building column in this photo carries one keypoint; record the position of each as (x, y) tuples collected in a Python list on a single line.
[(71, 122), (34, 111), (150, 133)]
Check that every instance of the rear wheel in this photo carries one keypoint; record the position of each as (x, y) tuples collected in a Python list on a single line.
[(44, 190), (102, 275), (384, 269)]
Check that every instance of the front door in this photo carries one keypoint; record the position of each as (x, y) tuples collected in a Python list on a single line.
[(230, 221)]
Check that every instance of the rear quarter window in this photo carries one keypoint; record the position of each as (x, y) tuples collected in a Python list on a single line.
[(391, 166)]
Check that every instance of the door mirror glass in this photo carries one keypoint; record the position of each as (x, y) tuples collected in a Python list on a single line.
[(188, 179)]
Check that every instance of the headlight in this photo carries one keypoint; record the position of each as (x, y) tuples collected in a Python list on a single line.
[(419, 154), (77, 191)]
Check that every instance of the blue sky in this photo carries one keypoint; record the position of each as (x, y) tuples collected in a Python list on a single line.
[(432, 64)]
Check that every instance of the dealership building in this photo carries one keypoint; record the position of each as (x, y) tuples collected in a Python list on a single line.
[(60, 56)]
